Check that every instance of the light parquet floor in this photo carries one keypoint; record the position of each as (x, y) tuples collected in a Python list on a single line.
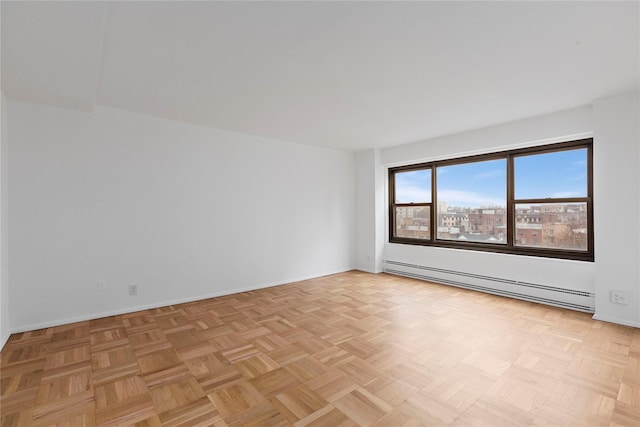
[(351, 349)]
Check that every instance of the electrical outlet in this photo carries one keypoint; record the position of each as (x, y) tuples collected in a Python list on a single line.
[(619, 297), (102, 286), (133, 290)]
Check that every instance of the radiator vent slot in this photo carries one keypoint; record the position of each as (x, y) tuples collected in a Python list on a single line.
[(533, 292)]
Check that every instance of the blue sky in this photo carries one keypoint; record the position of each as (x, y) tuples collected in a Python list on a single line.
[(560, 174), (478, 184), (483, 184)]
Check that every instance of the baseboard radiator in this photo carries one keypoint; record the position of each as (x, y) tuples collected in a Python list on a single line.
[(533, 292)]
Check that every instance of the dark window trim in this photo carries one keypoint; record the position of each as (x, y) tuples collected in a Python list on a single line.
[(509, 247), (392, 215)]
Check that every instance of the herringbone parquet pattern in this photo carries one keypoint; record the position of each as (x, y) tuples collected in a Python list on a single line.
[(351, 349)]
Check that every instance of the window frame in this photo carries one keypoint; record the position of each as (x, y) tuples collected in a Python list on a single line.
[(392, 211), (510, 247)]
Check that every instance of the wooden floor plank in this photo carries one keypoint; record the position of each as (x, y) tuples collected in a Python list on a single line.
[(351, 349)]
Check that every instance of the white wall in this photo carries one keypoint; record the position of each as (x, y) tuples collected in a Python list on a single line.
[(5, 328), (617, 206), (522, 133), (370, 211), (365, 206), (182, 211)]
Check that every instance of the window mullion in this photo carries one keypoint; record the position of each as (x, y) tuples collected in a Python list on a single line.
[(510, 202), (434, 204), (552, 200)]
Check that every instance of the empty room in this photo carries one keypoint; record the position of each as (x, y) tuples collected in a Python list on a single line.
[(320, 213)]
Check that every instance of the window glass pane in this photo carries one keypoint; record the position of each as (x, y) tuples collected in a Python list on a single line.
[(551, 225), (472, 202), (413, 186), (560, 174), (413, 221)]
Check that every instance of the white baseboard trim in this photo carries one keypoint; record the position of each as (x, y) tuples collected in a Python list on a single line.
[(52, 323), (635, 324)]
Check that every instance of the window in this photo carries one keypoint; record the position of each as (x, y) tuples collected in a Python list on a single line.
[(535, 201), (475, 195), (551, 197), (412, 211)]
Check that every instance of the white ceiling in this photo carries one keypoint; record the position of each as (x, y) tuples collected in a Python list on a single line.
[(349, 75)]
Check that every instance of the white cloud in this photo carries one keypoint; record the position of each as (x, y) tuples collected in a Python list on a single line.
[(407, 194), (466, 198), (565, 194), (495, 173)]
